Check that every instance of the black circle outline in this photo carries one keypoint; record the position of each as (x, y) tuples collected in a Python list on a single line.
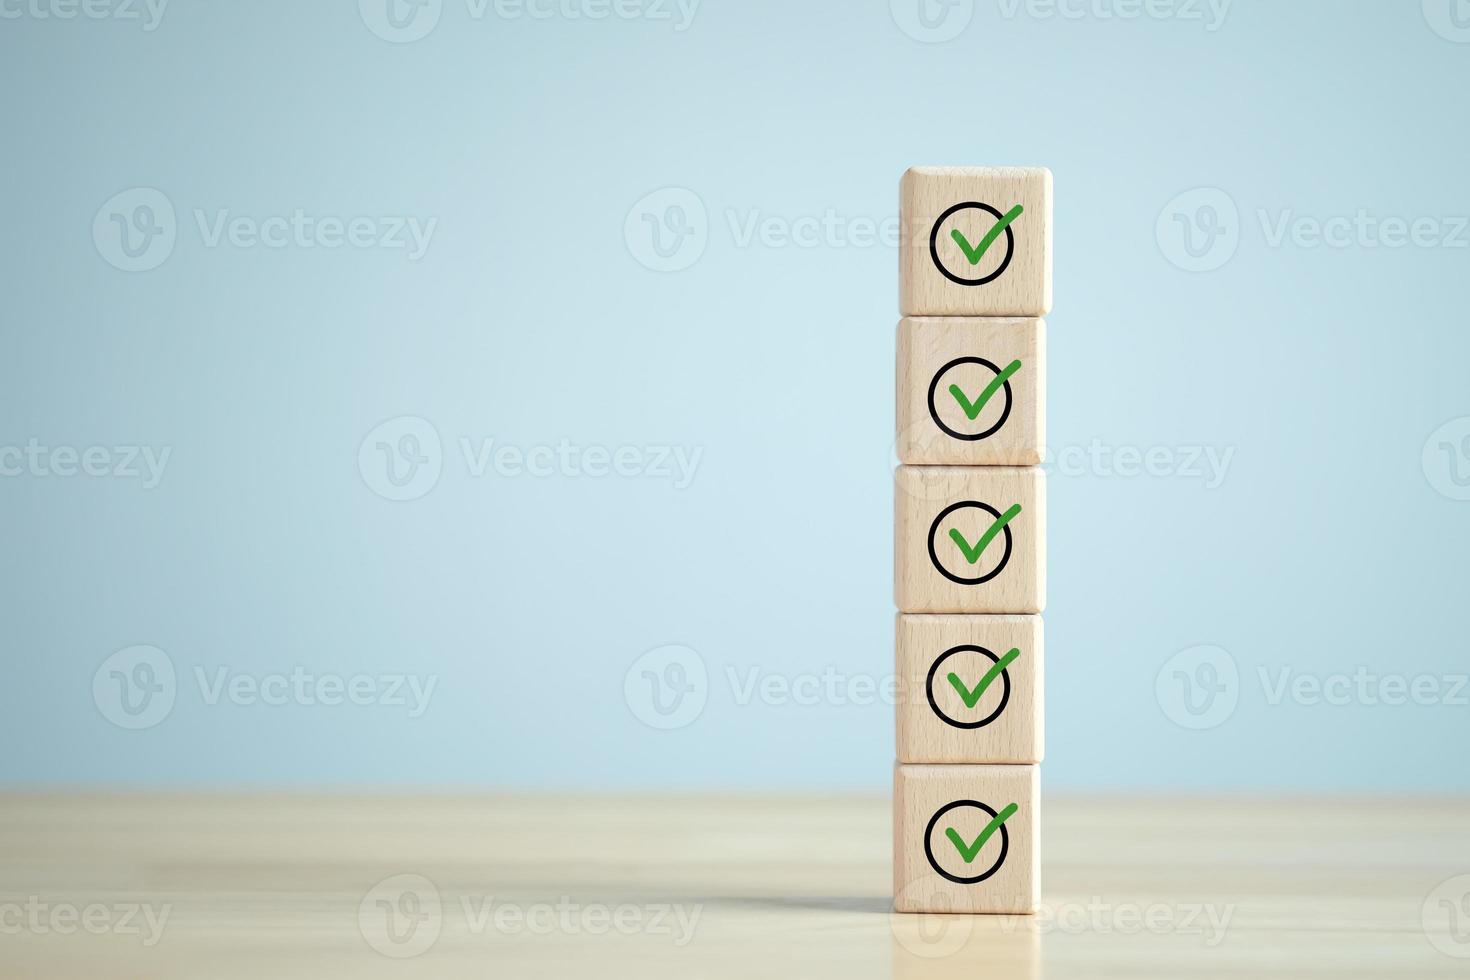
[(934, 557), (934, 245), (1005, 843), (1005, 675), (1004, 416)]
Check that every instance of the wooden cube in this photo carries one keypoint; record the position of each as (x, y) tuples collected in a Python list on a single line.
[(969, 539), (966, 839), (975, 241), (970, 689), (971, 391)]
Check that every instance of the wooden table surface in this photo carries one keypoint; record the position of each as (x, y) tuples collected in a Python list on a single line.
[(691, 887)]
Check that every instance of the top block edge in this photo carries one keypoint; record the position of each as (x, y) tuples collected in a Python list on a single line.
[(933, 171)]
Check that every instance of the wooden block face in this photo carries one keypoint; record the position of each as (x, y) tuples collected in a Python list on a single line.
[(971, 391), (965, 250), (971, 689), (969, 539), (965, 839)]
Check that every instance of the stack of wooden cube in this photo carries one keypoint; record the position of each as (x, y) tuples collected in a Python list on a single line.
[(970, 537)]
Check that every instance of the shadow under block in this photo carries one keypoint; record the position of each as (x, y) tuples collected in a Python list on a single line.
[(965, 839), (971, 689), (964, 247), (971, 391), (969, 539)]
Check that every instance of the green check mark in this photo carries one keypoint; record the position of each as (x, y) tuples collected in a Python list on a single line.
[(972, 555), (972, 851), (972, 698), (973, 409), (977, 252)]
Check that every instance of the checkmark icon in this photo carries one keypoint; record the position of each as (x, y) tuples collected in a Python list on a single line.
[(972, 554), (972, 697), (973, 409), (971, 851), (977, 252)]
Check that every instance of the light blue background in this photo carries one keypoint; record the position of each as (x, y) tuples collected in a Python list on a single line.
[(530, 320)]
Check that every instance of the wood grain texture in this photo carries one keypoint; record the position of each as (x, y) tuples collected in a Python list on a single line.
[(938, 811), (271, 885), (935, 427), (1007, 576), (1002, 724), (936, 202)]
